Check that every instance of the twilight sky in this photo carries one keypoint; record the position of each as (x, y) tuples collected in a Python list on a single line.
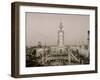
[(44, 27)]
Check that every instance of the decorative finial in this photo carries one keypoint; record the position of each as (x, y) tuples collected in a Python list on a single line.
[(61, 24)]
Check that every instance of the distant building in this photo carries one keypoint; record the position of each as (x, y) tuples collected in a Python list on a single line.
[(39, 44)]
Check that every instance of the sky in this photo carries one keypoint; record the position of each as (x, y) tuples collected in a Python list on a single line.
[(43, 27)]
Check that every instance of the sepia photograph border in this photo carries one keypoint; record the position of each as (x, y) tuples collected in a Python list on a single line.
[(15, 38)]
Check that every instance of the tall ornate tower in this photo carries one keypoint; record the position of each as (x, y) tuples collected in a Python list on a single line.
[(61, 35)]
